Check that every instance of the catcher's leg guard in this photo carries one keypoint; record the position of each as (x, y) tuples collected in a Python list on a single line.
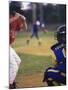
[(52, 75), (50, 80)]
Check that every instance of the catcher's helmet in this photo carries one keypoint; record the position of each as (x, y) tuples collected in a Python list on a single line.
[(61, 34)]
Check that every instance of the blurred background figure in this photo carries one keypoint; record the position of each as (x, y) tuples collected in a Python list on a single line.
[(35, 30)]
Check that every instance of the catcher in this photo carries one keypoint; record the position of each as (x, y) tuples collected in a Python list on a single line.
[(57, 75)]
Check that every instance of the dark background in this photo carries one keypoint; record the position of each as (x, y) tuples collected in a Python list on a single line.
[(51, 15)]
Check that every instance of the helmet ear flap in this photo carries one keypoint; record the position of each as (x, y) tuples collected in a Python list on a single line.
[(61, 34)]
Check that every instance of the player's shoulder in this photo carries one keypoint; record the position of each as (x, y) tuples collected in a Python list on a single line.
[(57, 46)]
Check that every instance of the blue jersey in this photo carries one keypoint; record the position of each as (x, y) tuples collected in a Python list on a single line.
[(58, 51), (35, 28), (57, 73)]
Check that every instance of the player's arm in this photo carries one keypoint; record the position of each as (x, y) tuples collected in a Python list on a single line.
[(23, 25)]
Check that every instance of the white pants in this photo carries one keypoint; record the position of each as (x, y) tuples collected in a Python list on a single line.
[(14, 64)]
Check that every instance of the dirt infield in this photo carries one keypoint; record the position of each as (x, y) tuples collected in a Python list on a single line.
[(43, 50), (30, 81)]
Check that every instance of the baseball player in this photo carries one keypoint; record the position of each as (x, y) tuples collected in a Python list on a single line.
[(57, 74), (16, 22), (35, 30)]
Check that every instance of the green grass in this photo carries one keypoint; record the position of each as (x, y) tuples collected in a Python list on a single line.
[(32, 64)]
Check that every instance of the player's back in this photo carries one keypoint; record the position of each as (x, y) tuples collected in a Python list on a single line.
[(14, 26)]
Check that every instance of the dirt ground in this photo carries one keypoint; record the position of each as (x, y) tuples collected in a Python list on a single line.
[(30, 81)]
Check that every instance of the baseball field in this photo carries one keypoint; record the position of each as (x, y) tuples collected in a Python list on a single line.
[(35, 58)]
